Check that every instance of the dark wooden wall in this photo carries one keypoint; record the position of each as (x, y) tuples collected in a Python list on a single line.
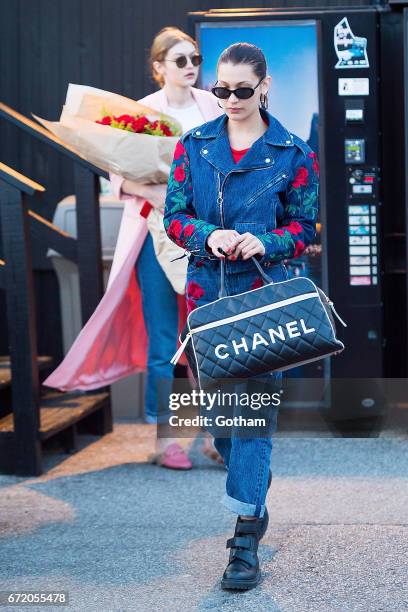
[(44, 45)]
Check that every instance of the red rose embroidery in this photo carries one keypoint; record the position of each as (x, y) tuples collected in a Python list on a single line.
[(300, 247), (301, 177), (175, 228), (179, 150), (258, 282), (294, 227), (315, 164), (199, 264), (194, 290), (190, 305), (179, 174), (188, 230), (279, 232)]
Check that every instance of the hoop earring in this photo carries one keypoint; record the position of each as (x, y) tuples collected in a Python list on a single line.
[(263, 98)]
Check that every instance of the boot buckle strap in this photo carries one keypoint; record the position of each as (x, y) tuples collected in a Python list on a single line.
[(238, 542), (248, 556), (247, 526)]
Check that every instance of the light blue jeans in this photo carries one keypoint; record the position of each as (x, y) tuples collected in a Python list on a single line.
[(247, 461), (246, 455), (160, 313)]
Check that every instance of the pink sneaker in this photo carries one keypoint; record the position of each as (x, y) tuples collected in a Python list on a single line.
[(173, 457)]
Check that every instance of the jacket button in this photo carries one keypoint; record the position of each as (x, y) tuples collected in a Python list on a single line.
[(198, 132), (288, 141), (267, 159), (205, 151)]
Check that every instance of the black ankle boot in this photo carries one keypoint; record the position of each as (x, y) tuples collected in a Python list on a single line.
[(243, 570)]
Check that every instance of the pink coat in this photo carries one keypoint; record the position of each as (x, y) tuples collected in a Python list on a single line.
[(113, 343)]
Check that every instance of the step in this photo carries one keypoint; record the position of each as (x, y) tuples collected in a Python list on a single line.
[(5, 370), (59, 411)]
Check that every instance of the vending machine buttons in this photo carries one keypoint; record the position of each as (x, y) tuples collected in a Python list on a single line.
[(354, 115), (354, 150), (354, 111), (362, 182), (362, 230)]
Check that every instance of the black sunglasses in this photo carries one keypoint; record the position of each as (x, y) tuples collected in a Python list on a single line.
[(181, 61), (243, 93)]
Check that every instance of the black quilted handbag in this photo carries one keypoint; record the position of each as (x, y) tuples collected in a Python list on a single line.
[(275, 327)]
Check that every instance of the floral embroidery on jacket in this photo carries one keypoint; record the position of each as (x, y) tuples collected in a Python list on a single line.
[(194, 292), (301, 208), (258, 282), (179, 220), (296, 231)]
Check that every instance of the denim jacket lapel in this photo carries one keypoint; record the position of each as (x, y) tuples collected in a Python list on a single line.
[(216, 147), (217, 151)]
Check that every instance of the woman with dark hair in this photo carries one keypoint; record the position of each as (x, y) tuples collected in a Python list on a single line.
[(242, 186)]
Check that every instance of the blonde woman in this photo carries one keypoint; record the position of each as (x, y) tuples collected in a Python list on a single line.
[(174, 62)]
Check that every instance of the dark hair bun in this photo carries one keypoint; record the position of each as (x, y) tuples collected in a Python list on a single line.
[(245, 53)]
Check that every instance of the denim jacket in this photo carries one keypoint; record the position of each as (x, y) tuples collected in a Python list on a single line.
[(272, 192)]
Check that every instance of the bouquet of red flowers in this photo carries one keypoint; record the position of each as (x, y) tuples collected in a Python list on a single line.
[(140, 124), (117, 134)]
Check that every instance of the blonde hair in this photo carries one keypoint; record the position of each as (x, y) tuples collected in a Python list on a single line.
[(162, 43)]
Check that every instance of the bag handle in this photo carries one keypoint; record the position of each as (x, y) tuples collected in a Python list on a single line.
[(265, 277)]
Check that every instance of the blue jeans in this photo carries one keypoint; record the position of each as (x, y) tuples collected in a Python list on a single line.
[(160, 313), (247, 461), (247, 458)]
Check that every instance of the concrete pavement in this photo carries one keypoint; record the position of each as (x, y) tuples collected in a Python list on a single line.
[(120, 534)]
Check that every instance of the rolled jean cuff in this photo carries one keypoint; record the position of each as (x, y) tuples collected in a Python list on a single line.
[(240, 507)]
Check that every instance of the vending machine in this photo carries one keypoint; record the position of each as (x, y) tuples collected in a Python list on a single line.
[(326, 88)]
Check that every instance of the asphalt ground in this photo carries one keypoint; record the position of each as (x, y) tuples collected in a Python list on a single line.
[(120, 534)]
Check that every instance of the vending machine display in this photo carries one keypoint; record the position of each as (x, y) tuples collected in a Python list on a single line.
[(354, 150), (325, 88)]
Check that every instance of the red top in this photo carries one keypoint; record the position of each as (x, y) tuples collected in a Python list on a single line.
[(237, 154)]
